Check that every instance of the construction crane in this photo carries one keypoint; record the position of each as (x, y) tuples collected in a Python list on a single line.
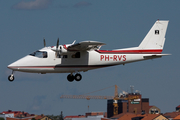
[(115, 97), (88, 97)]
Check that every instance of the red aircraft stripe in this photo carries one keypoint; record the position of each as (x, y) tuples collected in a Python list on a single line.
[(69, 66), (131, 51)]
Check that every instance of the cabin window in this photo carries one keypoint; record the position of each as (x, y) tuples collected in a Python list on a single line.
[(39, 54), (65, 56), (58, 55), (76, 55)]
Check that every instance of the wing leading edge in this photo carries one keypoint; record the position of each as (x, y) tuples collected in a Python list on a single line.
[(85, 45)]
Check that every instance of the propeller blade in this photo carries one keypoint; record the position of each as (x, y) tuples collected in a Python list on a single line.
[(57, 43), (44, 42), (57, 47)]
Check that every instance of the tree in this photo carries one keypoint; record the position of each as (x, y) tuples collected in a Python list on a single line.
[(61, 117), (33, 119), (1, 118)]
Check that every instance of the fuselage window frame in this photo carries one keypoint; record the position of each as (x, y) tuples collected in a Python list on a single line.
[(65, 56), (76, 55), (40, 54)]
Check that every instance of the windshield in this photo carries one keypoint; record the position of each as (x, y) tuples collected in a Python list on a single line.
[(39, 54)]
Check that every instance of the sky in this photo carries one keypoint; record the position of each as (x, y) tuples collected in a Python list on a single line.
[(118, 23)]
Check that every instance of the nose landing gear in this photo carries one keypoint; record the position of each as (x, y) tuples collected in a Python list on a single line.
[(71, 77), (11, 77)]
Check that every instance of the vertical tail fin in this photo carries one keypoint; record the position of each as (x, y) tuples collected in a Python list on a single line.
[(156, 36)]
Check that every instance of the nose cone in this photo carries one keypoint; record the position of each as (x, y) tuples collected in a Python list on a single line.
[(14, 65), (9, 66), (17, 64)]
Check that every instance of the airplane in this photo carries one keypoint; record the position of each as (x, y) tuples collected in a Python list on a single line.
[(86, 55)]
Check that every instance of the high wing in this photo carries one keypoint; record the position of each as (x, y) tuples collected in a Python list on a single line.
[(85, 45)]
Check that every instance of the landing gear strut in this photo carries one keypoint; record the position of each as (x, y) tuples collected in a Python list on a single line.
[(71, 77), (11, 77)]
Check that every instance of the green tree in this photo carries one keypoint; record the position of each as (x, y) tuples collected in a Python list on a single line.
[(1, 118), (61, 117)]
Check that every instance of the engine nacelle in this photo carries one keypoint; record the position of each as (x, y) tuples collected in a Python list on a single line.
[(63, 49)]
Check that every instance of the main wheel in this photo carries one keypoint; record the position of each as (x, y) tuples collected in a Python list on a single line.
[(11, 78), (70, 77), (78, 77)]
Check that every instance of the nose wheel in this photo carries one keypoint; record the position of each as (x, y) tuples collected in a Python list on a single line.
[(11, 77), (71, 77)]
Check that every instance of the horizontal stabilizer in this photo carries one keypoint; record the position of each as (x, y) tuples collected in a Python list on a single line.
[(152, 56)]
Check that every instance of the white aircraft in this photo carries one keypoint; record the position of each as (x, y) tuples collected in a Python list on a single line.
[(74, 58)]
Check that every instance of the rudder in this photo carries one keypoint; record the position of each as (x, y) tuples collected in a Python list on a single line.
[(155, 38)]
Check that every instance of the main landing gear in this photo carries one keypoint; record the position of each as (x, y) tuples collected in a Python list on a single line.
[(11, 77), (71, 77)]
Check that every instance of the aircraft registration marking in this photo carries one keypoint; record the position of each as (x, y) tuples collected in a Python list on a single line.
[(113, 57)]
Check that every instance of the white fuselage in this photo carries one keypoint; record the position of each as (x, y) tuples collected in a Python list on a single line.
[(87, 60), (86, 55)]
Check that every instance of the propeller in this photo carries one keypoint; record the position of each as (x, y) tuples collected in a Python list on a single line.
[(57, 44), (44, 42)]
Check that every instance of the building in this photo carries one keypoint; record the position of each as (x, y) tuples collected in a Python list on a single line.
[(88, 116), (153, 117), (74, 116), (171, 115), (154, 110), (23, 118), (132, 116), (131, 103), (178, 108), (98, 117), (177, 117), (120, 115), (42, 117), (37, 117), (104, 114), (18, 113), (11, 115)]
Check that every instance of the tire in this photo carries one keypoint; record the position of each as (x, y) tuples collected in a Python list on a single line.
[(70, 78), (78, 77), (11, 78)]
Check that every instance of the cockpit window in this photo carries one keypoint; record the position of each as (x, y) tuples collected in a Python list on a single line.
[(40, 54)]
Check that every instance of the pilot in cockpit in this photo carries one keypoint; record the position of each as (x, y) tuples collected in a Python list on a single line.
[(44, 54)]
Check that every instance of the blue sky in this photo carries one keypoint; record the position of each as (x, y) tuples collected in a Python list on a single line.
[(117, 23)]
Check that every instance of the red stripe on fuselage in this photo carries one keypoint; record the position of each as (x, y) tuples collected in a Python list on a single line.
[(68, 66), (32, 67), (157, 51)]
